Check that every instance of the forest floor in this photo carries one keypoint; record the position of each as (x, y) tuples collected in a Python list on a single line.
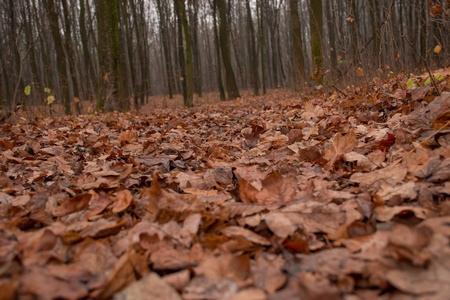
[(286, 196)]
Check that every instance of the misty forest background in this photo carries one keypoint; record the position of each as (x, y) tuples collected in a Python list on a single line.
[(117, 53)]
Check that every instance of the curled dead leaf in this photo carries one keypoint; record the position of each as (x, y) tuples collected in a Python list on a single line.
[(122, 201)]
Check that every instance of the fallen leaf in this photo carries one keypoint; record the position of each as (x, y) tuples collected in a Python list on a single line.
[(150, 286), (71, 205), (342, 144), (122, 201), (235, 231)]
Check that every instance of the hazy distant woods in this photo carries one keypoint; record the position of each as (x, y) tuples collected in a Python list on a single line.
[(111, 51)]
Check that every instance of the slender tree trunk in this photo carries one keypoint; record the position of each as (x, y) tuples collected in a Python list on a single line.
[(316, 39), (6, 84), (88, 63), (71, 56), (181, 54), (374, 24), (108, 55), (218, 58), (52, 13), (253, 56), (131, 46), (29, 34), (124, 34), (166, 47), (189, 100), (356, 54), (274, 42), (232, 89), (261, 45), (146, 67), (297, 44), (138, 70), (17, 68), (47, 79), (195, 49)]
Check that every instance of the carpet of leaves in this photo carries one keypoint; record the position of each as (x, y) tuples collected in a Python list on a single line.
[(326, 196)]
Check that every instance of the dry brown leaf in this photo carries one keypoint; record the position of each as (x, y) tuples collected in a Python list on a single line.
[(268, 274), (235, 231), (151, 286), (101, 228), (128, 136), (391, 174), (122, 201), (121, 275), (178, 280), (407, 243), (97, 205), (342, 144), (40, 283), (385, 213), (249, 294), (202, 287), (71, 205)]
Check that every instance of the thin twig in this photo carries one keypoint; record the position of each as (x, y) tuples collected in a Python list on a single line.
[(339, 90), (422, 142)]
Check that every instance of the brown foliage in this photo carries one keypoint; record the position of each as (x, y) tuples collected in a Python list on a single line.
[(336, 197)]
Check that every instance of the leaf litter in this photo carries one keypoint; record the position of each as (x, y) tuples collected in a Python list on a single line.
[(286, 196)]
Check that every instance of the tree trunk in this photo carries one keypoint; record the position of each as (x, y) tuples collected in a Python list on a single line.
[(71, 56), (193, 19), (232, 89), (126, 61), (88, 64), (189, 100), (52, 14), (180, 45), (297, 44), (166, 47), (146, 58), (316, 39), (218, 58), (29, 34), (374, 24), (253, 56), (108, 55), (356, 54), (261, 45)]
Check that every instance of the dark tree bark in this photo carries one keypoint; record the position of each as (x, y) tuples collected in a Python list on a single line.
[(356, 53), (193, 19), (253, 55), (88, 63), (30, 40), (164, 33), (316, 39), (297, 44), (52, 13), (125, 57), (142, 83), (181, 55), (218, 57), (108, 55), (146, 79), (71, 56), (261, 44), (331, 36), (374, 23), (232, 89), (182, 19)]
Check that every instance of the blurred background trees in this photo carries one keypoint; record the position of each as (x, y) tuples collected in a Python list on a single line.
[(117, 53)]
